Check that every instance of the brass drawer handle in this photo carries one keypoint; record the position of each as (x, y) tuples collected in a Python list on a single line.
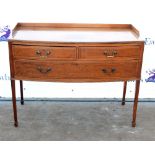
[(104, 70), (43, 53), (112, 70), (43, 70), (48, 53), (38, 52), (110, 54)]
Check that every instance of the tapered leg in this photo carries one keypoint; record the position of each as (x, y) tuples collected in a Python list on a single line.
[(135, 103), (124, 92), (21, 93), (14, 103)]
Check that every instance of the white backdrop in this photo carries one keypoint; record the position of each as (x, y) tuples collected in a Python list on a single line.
[(137, 12)]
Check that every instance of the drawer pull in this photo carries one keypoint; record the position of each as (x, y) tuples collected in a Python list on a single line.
[(43, 53), (109, 54), (48, 53), (112, 70), (43, 70), (38, 52), (104, 70)]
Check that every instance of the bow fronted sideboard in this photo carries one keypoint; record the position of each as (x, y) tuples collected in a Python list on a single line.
[(61, 52)]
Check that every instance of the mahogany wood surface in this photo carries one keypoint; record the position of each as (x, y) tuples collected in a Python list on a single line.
[(32, 52), (68, 52), (47, 70), (116, 52)]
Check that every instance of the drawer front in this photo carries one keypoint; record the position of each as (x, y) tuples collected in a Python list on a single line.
[(33, 52), (75, 70), (110, 52)]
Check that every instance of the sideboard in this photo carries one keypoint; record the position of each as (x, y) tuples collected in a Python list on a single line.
[(67, 52)]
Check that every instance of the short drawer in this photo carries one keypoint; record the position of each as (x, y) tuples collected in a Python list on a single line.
[(33, 52), (75, 70), (110, 52)]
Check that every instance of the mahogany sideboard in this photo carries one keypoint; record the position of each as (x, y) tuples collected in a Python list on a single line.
[(65, 52)]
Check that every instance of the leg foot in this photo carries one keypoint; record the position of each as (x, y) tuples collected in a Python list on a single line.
[(22, 102), (16, 124), (123, 102), (133, 124)]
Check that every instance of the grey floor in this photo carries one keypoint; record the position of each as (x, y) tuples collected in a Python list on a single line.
[(76, 121)]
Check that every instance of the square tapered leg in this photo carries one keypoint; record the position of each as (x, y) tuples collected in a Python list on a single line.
[(14, 103), (135, 103)]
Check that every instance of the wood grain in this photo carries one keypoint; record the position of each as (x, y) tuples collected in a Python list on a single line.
[(105, 52), (66, 70), (44, 52)]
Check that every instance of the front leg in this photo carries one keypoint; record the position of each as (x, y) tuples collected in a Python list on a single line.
[(14, 103), (135, 103)]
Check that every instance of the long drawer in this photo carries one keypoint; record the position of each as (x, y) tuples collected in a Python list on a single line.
[(41, 52), (75, 70), (110, 52)]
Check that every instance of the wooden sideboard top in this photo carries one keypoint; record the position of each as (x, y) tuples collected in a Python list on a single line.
[(75, 33)]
